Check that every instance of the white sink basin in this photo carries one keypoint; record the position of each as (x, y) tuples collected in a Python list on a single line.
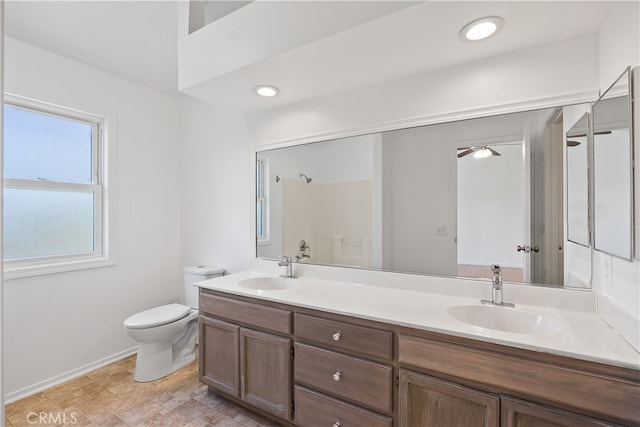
[(503, 319), (266, 283)]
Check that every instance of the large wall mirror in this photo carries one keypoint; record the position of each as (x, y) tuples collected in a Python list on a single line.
[(613, 170), (446, 199)]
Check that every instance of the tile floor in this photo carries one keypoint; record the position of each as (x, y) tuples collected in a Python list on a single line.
[(110, 397)]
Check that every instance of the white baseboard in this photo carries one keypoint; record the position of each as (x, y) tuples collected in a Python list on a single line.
[(59, 379)]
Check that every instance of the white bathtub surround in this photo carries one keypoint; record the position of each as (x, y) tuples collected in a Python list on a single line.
[(422, 302)]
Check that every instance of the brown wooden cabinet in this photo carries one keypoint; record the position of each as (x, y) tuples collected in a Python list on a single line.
[(317, 409), (425, 401), (596, 393), (519, 413), (349, 371), (265, 371), (244, 363), (219, 364), (336, 380)]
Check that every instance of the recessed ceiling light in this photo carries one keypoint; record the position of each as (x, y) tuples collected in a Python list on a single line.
[(481, 28), (266, 91)]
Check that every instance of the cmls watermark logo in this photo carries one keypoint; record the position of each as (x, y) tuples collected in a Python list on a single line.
[(55, 418)]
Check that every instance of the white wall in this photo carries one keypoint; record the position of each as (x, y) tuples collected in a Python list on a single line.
[(619, 47), (60, 324), (413, 208), (536, 77), (218, 167)]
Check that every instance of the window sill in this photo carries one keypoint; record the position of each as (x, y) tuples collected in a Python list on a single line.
[(264, 242), (41, 269)]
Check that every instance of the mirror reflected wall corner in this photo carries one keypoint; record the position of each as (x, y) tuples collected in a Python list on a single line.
[(446, 199), (578, 191)]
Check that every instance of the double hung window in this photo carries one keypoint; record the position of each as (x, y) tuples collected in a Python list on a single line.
[(53, 187), (262, 224)]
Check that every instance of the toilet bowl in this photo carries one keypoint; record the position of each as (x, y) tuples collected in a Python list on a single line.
[(167, 335)]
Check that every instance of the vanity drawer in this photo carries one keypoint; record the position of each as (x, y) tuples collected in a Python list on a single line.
[(246, 313), (360, 381), (315, 409), (344, 336)]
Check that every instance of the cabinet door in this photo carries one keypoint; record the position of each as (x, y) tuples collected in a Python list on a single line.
[(426, 401), (519, 413), (266, 372), (219, 355)]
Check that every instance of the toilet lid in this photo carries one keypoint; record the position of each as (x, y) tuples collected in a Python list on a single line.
[(157, 316)]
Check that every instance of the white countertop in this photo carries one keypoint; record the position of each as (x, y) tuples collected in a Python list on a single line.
[(581, 334)]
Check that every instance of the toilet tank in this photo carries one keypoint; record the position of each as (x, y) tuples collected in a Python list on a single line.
[(195, 274)]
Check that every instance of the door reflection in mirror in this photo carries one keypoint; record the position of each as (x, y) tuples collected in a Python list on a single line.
[(490, 209)]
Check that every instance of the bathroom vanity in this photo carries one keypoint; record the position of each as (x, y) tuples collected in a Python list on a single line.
[(304, 354)]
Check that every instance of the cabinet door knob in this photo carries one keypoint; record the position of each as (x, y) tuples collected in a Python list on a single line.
[(336, 424), (336, 376), (336, 336)]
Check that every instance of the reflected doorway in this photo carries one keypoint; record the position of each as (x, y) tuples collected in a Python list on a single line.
[(492, 211)]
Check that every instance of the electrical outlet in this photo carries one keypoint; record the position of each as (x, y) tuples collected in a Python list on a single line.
[(441, 230)]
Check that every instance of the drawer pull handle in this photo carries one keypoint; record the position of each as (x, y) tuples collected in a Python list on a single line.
[(336, 376), (336, 424), (336, 337)]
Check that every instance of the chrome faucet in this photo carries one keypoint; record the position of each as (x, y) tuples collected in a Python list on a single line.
[(496, 288), (287, 261), (303, 250)]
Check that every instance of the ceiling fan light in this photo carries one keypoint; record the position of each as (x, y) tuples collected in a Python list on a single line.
[(482, 153)]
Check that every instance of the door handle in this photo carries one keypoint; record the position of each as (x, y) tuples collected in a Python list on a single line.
[(528, 249)]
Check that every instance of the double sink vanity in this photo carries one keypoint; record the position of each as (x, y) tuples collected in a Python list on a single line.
[(400, 338), (420, 351)]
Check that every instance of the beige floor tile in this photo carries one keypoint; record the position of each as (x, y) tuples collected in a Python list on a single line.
[(109, 397)]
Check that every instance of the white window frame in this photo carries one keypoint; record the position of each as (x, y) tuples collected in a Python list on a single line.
[(100, 256), (264, 198)]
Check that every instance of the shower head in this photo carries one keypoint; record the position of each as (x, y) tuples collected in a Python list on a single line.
[(306, 178)]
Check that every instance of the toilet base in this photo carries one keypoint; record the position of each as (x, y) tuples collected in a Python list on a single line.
[(157, 360)]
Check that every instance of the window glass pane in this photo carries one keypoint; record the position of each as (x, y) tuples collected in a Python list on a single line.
[(259, 231), (47, 222), (259, 178), (41, 146)]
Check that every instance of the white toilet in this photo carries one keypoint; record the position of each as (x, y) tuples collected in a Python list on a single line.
[(168, 334)]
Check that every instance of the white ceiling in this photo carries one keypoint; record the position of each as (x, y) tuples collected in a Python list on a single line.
[(138, 41)]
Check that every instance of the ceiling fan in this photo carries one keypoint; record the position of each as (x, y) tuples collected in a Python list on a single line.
[(479, 151), (578, 135)]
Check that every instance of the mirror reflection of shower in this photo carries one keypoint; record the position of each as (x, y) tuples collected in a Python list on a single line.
[(306, 178)]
